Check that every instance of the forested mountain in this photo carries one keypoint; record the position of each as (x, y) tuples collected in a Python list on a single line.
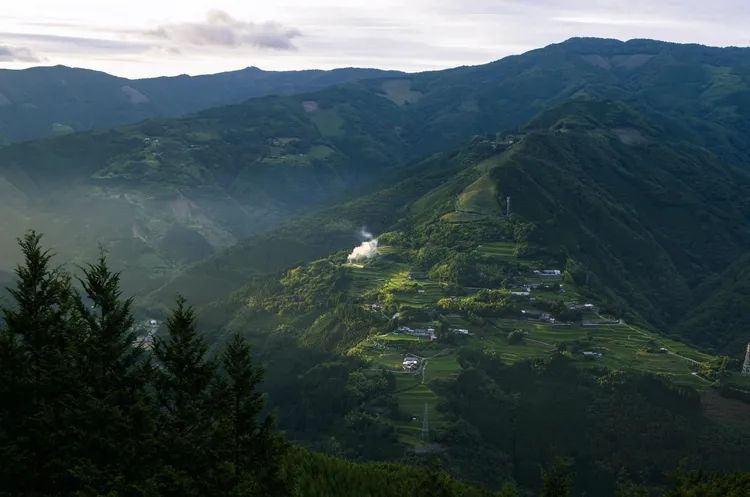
[(50, 101), (169, 192), (643, 217)]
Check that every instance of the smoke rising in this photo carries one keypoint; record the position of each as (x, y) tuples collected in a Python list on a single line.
[(366, 250)]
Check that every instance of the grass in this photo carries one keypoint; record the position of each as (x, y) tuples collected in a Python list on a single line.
[(500, 250), (622, 347), (328, 122), (399, 91), (480, 197)]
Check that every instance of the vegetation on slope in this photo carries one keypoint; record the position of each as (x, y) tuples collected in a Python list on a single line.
[(449, 262)]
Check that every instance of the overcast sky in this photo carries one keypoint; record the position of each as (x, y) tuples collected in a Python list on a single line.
[(139, 38)]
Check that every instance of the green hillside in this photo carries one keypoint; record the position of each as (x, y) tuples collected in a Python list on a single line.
[(621, 203), (599, 192)]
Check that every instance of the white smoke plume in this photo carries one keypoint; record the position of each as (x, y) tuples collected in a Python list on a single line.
[(366, 250)]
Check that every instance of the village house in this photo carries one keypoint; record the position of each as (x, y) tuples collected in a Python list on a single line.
[(410, 362), (581, 307), (537, 315), (591, 354), (549, 273)]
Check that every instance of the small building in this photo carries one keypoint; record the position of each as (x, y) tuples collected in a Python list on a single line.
[(591, 354), (424, 333), (581, 307), (537, 315), (460, 331), (549, 273), (411, 362)]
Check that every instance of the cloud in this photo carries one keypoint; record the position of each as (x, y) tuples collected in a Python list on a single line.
[(17, 54), (70, 44), (222, 30), (617, 21)]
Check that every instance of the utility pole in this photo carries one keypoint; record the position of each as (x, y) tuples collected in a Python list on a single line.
[(507, 206)]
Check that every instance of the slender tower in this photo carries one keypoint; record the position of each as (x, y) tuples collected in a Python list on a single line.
[(507, 206), (746, 364)]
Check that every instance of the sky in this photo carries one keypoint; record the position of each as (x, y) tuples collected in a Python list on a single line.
[(140, 38)]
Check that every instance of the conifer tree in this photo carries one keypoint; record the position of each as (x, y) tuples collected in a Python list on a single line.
[(254, 450), (187, 417), (114, 415), (12, 381), (40, 343)]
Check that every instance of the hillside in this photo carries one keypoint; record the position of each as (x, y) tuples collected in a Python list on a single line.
[(50, 101), (215, 177), (637, 215), (553, 317)]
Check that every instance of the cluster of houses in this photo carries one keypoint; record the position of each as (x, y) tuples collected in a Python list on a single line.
[(418, 332)]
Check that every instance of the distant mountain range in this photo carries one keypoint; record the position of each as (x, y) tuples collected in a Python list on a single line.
[(52, 101)]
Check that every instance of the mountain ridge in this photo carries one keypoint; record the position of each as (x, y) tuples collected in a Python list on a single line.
[(86, 99)]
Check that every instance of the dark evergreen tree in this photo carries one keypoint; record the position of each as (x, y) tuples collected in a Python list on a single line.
[(187, 411), (254, 450), (12, 383), (40, 345), (114, 414)]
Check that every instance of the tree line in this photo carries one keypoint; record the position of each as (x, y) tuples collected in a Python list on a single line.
[(86, 411)]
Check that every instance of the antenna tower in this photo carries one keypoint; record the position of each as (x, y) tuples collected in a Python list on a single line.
[(746, 364)]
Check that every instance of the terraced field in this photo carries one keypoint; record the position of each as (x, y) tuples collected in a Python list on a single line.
[(621, 346)]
